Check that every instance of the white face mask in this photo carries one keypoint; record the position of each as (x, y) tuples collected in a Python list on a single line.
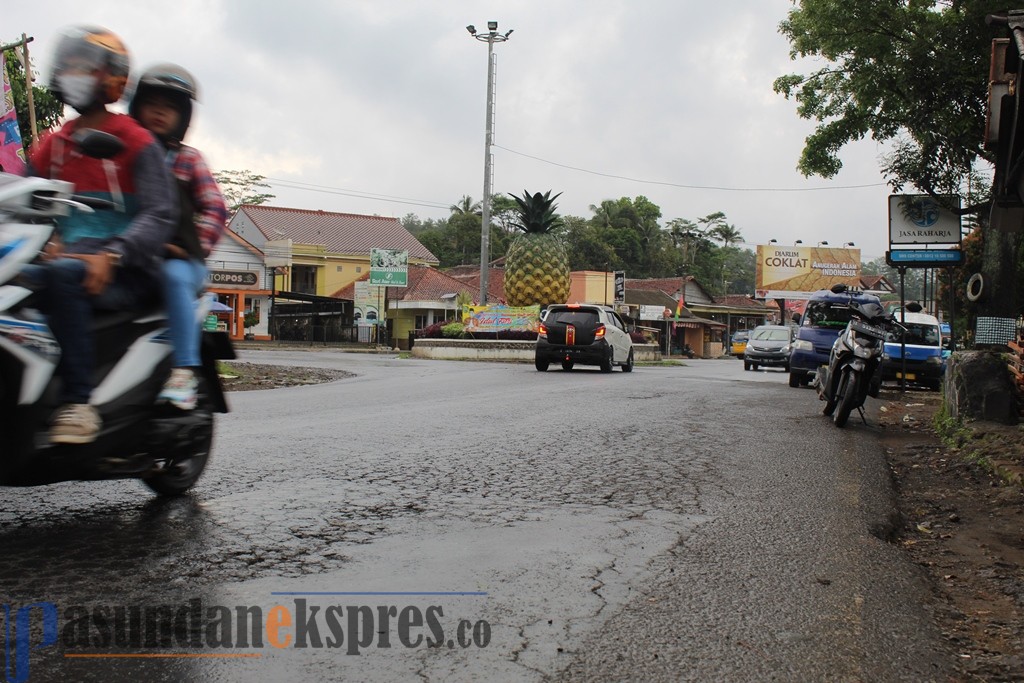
[(77, 90)]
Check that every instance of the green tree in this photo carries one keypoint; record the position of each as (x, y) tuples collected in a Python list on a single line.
[(48, 108), (915, 74), (242, 187), (916, 71)]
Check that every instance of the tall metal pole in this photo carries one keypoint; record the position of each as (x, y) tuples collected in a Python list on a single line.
[(490, 37), (485, 210)]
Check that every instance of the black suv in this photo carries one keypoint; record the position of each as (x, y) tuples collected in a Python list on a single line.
[(584, 334)]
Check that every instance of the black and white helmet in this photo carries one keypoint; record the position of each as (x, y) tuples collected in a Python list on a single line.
[(169, 80)]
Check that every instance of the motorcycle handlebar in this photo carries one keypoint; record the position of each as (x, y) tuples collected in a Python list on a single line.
[(94, 202)]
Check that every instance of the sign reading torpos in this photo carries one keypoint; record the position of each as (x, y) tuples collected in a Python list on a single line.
[(234, 278)]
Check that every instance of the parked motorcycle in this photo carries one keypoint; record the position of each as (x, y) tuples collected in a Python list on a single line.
[(164, 447), (850, 376)]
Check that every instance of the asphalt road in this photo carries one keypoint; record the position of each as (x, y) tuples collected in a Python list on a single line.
[(677, 523)]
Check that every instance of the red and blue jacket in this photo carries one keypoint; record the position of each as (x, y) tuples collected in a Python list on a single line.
[(136, 180)]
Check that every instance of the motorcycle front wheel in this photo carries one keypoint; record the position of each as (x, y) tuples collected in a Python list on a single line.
[(848, 391)]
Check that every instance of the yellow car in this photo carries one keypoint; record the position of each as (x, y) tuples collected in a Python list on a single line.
[(739, 342)]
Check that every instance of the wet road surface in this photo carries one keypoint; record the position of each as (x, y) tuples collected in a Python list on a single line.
[(676, 523)]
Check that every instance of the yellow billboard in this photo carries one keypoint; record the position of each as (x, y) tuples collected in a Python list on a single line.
[(796, 272)]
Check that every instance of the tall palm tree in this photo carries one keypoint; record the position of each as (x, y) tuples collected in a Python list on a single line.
[(466, 206), (727, 234)]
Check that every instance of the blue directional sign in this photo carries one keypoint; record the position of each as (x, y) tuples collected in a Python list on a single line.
[(925, 257)]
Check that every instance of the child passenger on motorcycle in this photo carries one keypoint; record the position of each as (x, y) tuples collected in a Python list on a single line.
[(162, 103), (108, 259)]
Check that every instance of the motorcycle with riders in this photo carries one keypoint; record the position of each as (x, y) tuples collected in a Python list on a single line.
[(166, 448)]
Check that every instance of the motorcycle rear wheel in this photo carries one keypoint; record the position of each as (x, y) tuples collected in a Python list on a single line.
[(848, 391)]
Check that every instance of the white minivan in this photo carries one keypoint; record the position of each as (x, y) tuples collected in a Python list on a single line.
[(923, 343)]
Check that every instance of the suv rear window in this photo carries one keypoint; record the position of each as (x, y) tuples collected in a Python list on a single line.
[(575, 318)]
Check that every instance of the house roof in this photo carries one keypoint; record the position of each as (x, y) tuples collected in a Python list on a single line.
[(739, 301), (671, 286), (470, 277), (878, 283), (425, 284), (339, 233)]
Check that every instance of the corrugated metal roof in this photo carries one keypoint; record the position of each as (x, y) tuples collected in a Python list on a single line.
[(338, 233)]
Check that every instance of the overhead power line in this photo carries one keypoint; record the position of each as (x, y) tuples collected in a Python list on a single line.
[(694, 187), (294, 185)]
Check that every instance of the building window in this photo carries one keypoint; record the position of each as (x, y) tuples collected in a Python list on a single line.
[(421, 321), (359, 269), (304, 279), (339, 268)]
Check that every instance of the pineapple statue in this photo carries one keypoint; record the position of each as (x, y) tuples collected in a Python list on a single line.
[(537, 263)]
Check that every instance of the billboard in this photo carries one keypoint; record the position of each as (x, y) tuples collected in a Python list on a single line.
[(795, 272), (920, 219), (389, 267), (497, 318)]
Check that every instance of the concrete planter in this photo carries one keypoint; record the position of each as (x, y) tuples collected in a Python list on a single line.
[(491, 349)]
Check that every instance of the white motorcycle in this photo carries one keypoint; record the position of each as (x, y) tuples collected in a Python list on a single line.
[(164, 447)]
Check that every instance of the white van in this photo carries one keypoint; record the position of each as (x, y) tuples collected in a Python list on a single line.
[(924, 362)]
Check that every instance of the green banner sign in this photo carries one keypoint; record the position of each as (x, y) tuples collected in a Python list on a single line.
[(389, 267)]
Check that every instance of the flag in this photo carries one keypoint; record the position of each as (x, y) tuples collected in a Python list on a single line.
[(12, 153), (679, 308)]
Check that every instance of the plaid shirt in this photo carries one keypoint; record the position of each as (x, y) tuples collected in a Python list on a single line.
[(210, 211)]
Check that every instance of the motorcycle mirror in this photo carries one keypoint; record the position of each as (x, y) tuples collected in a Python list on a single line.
[(97, 144), (914, 307), (838, 288)]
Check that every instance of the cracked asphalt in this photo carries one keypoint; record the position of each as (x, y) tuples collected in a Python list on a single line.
[(679, 523)]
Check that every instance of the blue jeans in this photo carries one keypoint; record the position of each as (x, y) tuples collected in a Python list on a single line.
[(70, 309), (184, 280)]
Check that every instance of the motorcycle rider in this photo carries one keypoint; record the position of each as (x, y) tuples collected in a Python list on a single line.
[(107, 260), (162, 103)]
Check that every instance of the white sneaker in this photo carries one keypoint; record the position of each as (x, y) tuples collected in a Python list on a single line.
[(181, 389)]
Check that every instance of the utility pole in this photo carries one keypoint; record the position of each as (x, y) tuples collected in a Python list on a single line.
[(491, 37)]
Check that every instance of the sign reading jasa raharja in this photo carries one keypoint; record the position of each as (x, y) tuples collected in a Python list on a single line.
[(921, 219)]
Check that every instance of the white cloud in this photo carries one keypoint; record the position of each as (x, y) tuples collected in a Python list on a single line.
[(388, 98)]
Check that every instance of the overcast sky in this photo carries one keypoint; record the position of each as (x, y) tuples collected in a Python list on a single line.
[(377, 106)]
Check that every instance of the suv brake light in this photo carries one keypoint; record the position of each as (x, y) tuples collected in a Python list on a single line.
[(599, 332), (542, 330)]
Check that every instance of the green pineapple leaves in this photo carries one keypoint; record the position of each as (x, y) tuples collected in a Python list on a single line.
[(537, 212)]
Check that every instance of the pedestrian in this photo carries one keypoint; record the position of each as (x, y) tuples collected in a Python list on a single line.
[(106, 260), (162, 102)]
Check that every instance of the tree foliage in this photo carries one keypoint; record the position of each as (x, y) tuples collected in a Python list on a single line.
[(914, 73), (242, 187), (621, 234)]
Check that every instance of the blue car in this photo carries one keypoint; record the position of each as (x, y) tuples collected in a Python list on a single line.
[(825, 316)]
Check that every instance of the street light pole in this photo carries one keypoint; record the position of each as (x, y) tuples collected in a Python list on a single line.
[(491, 37)]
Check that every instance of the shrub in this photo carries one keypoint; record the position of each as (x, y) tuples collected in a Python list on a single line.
[(433, 331), (453, 330)]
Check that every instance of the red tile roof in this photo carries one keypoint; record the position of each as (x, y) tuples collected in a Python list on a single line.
[(425, 284), (338, 233), (470, 277), (670, 285)]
